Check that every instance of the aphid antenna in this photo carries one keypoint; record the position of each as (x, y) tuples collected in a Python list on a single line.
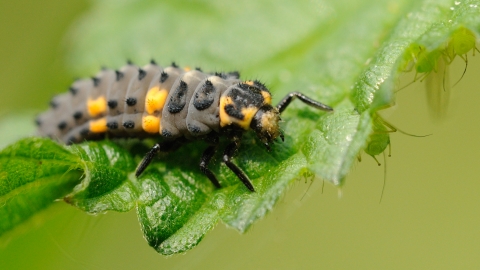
[(395, 129)]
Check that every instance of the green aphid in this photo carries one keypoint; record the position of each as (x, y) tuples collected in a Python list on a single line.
[(461, 42), (380, 138), (427, 60)]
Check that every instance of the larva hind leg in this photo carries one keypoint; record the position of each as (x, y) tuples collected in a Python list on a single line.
[(164, 147)]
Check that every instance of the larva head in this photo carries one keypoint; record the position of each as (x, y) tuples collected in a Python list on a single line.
[(265, 124)]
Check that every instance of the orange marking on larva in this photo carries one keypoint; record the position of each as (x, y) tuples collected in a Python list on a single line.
[(251, 83), (151, 124), (187, 68), (99, 125), (96, 106), (155, 99), (226, 119), (248, 112), (267, 98)]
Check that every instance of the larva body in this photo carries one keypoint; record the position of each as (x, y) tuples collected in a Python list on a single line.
[(141, 102), (176, 104)]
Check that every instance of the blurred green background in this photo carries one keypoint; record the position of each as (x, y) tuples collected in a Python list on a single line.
[(428, 217)]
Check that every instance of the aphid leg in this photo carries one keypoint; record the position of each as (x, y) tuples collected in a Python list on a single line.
[(464, 70), (206, 157), (227, 155), (147, 159), (282, 105)]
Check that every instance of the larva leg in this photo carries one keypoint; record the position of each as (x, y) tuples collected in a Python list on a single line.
[(227, 155), (206, 157), (164, 147), (147, 159), (282, 105)]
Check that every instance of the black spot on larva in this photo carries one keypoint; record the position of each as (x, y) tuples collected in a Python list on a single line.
[(141, 74), (198, 69), (53, 104), (84, 132), (153, 62), (205, 96), (73, 90), (96, 81), (234, 74), (230, 110), (38, 122), (71, 140), (131, 101), (129, 124), (112, 125), (166, 133), (62, 125), (178, 99), (246, 95), (119, 75), (112, 104), (174, 65), (129, 62), (193, 129), (77, 115), (163, 77)]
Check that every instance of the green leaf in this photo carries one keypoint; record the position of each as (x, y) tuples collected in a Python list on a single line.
[(106, 167), (345, 54), (33, 173)]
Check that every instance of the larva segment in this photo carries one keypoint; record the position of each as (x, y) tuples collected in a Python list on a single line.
[(117, 93), (155, 100), (79, 95), (132, 123), (137, 90), (61, 107), (116, 98), (156, 97), (174, 114), (97, 100), (240, 103), (203, 111)]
